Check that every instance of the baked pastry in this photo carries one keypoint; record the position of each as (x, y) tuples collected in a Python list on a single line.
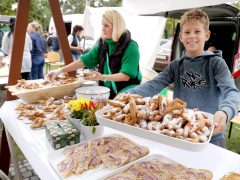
[(67, 166), (37, 123), (231, 176), (156, 169), (111, 151)]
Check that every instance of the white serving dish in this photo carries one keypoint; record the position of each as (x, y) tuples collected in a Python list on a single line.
[(55, 157), (164, 139), (93, 92), (146, 158)]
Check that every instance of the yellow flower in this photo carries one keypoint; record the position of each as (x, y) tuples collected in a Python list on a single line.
[(84, 108)]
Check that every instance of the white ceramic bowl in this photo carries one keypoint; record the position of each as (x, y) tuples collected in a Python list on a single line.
[(93, 92)]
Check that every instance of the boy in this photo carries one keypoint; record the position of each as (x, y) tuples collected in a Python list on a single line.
[(201, 78)]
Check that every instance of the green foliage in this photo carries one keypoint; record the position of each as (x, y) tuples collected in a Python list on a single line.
[(40, 11), (73, 7), (236, 4), (170, 27), (233, 143), (78, 6), (105, 3), (6, 7)]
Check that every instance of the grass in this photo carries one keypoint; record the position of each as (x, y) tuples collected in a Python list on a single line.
[(233, 144)]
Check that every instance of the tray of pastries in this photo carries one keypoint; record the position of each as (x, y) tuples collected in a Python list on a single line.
[(31, 91), (156, 166), (40, 113), (158, 119), (96, 158)]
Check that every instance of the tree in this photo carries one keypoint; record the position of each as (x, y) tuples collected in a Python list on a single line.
[(78, 6), (105, 3), (73, 6), (40, 11), (6, 7), (236, 4)]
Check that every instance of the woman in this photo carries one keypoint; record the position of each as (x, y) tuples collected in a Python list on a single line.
[(7, 44), (39, 47), (74, 42), (116, 54)]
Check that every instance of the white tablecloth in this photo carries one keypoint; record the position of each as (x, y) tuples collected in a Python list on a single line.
[(35, 146), (4, 72)]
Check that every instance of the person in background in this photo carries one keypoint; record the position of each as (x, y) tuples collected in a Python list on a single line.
[(74, 42), (55, 43), (116, 54), (1, 37), (38, 51), (201, 78), (7, 44), (49, 42), (212, 47)]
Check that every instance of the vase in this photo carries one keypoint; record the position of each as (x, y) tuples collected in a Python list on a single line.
[(87, 131), (75, 122)]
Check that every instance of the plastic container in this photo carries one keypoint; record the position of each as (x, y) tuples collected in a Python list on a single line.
[(93, 92)]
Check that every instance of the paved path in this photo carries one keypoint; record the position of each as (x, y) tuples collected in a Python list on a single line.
[(26, 170)]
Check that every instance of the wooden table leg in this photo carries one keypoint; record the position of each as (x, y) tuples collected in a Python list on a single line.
[(230, 130), (4, 153)]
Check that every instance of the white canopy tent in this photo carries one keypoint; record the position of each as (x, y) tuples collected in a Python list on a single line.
[(145, 30), (87, 24), (154, 6)]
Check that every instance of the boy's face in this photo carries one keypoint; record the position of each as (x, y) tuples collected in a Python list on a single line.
[(193, 36)]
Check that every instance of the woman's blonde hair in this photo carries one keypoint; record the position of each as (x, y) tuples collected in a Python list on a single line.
[(117, 22), (37, 27)]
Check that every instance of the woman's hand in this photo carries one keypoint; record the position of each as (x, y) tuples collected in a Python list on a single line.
[(52, 75), (220, 119), (95, 76)]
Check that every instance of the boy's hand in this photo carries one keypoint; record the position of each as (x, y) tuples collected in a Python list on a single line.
[(220, 119)]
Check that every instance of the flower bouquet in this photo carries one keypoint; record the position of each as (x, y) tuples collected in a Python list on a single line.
[(84, 110)]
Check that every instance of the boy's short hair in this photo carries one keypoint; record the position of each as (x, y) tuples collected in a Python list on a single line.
[(193, 15)]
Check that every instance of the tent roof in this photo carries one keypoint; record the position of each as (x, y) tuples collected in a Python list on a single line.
[(5, 18), (153, 7)]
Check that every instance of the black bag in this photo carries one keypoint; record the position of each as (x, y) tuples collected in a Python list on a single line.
[(1, 37), (49, 41)]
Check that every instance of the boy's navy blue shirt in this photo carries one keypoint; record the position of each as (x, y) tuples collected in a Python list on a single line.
[(204, 82)]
